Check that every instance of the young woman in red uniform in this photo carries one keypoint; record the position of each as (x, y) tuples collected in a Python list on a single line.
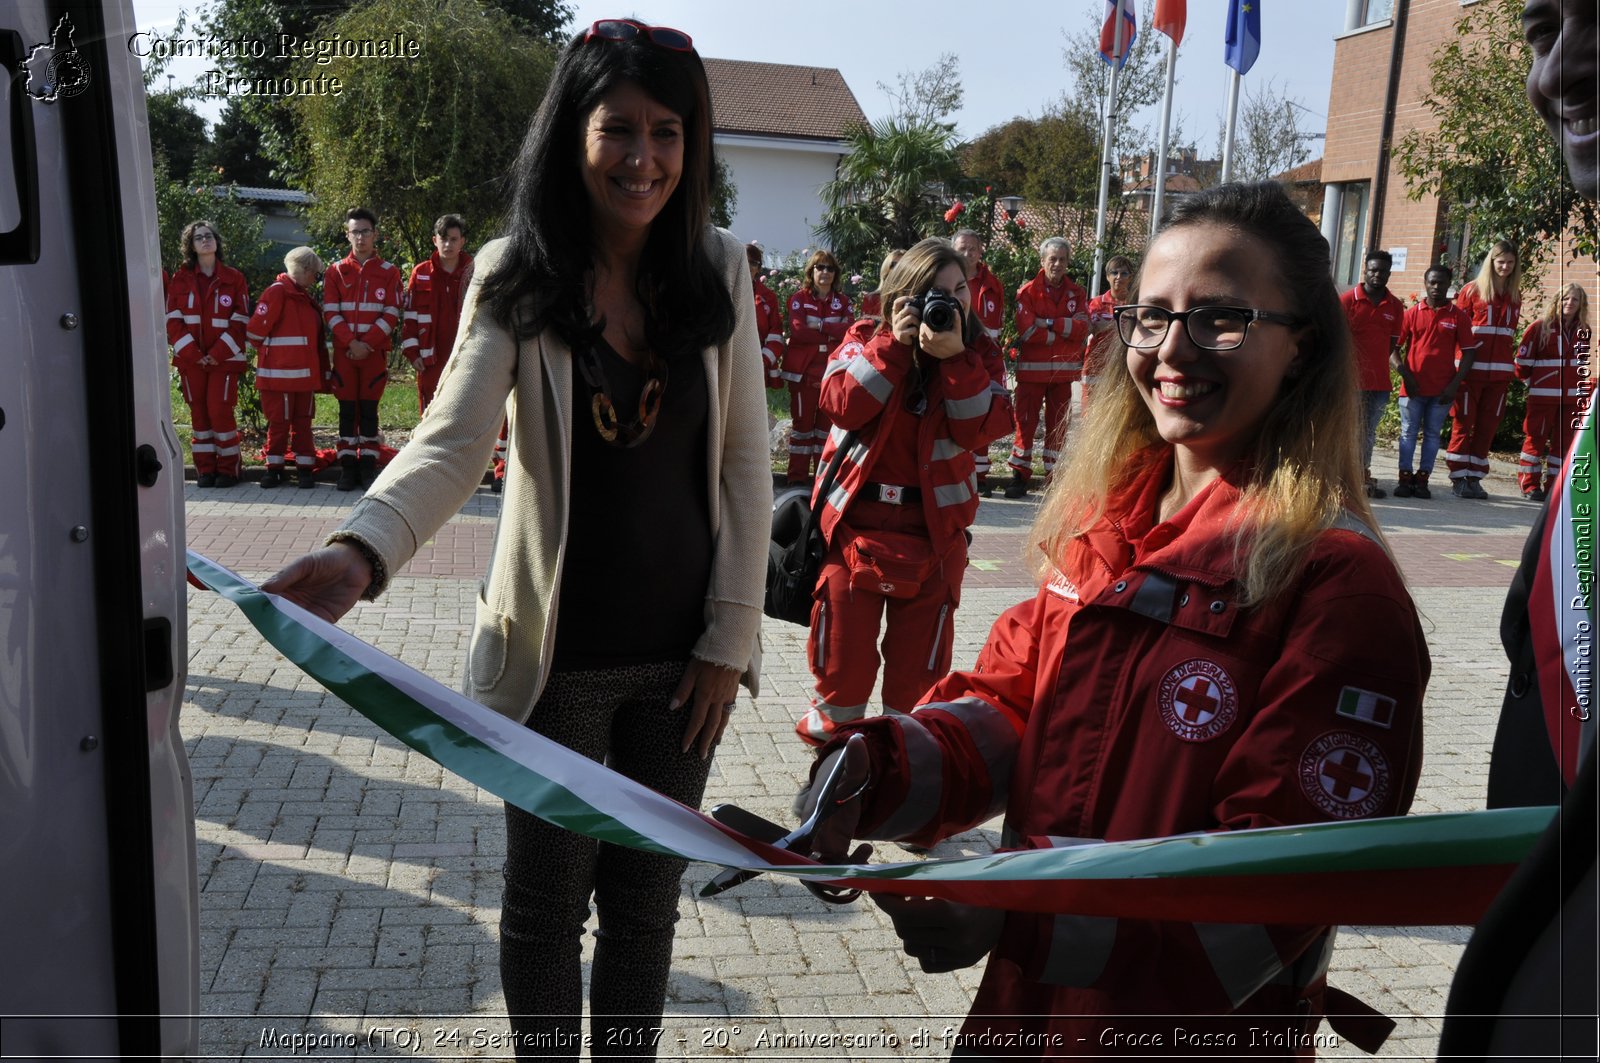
[(208, 304), (1220, 641), (1494, 300), (920, 400), (819, 314), (1554, 361)]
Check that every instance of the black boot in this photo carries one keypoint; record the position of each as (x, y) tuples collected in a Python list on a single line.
[(307, 476), (1017, 487), (369, 469), (349, 479), (273, 477)]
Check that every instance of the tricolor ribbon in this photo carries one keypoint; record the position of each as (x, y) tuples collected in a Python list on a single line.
[(1405, 871)]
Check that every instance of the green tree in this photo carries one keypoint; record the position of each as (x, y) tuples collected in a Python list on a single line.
[(412, 139), (1139, 85), (1491, 161), (177, 131), (924, 97), (234, 153), (1051, 159), (724, 193), (1267, 140), (891, 188)]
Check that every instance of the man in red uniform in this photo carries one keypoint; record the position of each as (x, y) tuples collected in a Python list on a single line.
[(1431, 334), (207, 307), (988, 306), (769, 319), (361, 304), (1119, 286), (291, 365), (1052, 320), (1374, 315), (433, 305)]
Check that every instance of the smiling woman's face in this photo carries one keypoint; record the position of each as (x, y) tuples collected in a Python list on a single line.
[(632, 160)]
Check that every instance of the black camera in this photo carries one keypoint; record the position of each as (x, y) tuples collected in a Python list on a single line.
[(940, 310)]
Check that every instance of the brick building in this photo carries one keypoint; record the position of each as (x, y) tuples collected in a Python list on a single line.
[(1363, 207)]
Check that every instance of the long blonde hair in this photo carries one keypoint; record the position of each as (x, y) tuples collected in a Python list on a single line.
[(1489, 285), (1552, 312), (1306, 459)]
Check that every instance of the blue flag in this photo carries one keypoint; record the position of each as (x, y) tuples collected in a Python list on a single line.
[(1243, 42)]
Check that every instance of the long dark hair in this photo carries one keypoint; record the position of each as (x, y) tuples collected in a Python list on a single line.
[(186, 242), (542, 280)]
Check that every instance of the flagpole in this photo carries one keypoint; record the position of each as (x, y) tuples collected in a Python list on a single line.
[(1166, 134), (1233, 119), (1105, 156)]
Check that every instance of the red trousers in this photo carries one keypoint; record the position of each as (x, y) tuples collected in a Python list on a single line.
[(845, 622), (1056, 398), (289, 426), (354, 381), (1479, 405), (211, 392), (808, 428), (1546, 435), (427, 384)]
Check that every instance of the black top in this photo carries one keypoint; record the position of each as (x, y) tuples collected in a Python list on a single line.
[(638, 559)]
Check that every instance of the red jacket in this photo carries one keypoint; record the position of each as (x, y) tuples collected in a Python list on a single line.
[(988, 299), (1095, 344), (816, 325), (967, 408), (361, 301), (1555, 364), (286, 331), (433, 310), (1052, 321), (1133, 697), (1494, 323), (1374, 329), (202, 320), (769, 328)]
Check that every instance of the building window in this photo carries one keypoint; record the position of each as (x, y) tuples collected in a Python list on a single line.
[(1359, 13), (1346, 229)]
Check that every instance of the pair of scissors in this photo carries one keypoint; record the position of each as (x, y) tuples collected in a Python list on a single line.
[(797, 840)]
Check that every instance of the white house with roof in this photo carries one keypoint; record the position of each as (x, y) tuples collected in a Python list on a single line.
[(781, 131)]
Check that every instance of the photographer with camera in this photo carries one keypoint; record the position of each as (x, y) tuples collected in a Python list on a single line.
[(916, 391)]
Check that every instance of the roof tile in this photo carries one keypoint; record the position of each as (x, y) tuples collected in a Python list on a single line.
[(773, 99)]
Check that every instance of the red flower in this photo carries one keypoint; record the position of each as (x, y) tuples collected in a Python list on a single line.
[(1021, 224), (955, 211)]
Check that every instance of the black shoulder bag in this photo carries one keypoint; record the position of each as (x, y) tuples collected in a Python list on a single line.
[(794, 558)]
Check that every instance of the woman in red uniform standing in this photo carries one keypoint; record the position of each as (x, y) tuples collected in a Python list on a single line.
[(208, 306), (1494, 300), (1554, 362), (1220, 641), (916, 391), (818, 315), (769, 320)]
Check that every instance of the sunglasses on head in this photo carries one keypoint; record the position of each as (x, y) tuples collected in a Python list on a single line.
[(626, 29)]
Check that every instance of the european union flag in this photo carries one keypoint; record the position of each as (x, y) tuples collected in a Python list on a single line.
[(1243, 42)]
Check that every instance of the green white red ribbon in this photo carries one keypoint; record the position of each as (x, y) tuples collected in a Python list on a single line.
[(1561, 605), (1405, 871)]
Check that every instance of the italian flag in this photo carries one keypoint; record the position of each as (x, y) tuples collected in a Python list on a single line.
[(1366, 706)]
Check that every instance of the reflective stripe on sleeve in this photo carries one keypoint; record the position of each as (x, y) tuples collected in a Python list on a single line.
[(968, 408), (925, 780), (385, 326), (1242, 956), (232, 344), (994, 738), (183, 341), (945, 449), (867, 375)]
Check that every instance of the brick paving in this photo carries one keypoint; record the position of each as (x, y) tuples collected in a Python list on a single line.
[(350, 887)]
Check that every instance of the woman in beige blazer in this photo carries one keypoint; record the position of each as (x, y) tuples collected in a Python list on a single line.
[(623, 603)]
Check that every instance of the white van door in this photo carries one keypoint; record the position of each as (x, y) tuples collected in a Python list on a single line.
[(100, 935)]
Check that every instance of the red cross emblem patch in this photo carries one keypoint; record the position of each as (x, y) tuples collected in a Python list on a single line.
[(1198, 700), (1345, 775)]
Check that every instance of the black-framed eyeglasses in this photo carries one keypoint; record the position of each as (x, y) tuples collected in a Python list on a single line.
[(358, 232), (612, 429), (204, 236), (1211, 328), (626, 29)]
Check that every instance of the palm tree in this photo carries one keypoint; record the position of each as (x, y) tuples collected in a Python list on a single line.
[(890, 188)]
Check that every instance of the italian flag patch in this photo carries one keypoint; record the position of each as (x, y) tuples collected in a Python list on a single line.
[(1365, 706)]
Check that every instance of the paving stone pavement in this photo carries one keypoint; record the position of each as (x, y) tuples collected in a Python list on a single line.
[(351, 887)]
